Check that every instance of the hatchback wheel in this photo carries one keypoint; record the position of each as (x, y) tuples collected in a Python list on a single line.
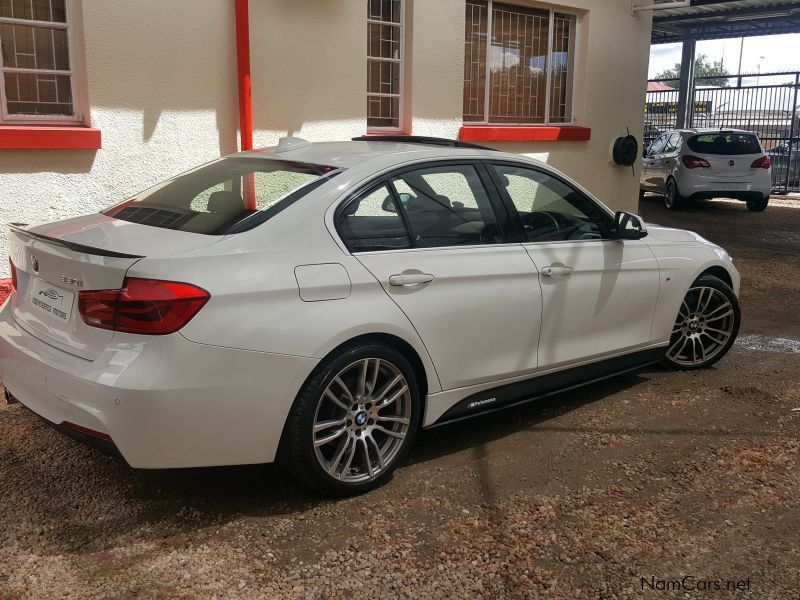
[(353, 420), (757, 205), (672, 199), (706, 326)]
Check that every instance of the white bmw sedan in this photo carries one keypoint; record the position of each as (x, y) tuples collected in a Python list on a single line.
[(318, 304)]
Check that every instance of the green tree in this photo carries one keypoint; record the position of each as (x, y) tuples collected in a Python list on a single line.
[(703, 67)]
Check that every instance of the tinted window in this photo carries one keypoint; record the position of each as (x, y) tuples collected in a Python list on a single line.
[(550, 209), (372, 222), (658, 145), (447, 206), (673, 143), (725, 143), (210, 199)]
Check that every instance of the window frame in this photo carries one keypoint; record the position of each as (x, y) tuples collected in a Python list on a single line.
[(516, 219), (498, 205), (73, 26), (402, 117), (575, 60)]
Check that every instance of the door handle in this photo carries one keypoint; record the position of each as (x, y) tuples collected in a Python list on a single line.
[(556, 271), (410, 279)]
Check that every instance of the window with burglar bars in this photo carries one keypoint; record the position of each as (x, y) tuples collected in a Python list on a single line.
[(36, 71), (385, 56), (522, 74)]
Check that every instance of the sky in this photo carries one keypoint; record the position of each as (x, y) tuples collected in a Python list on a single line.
[(772, 53)]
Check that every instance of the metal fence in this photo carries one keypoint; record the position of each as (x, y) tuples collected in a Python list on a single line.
[(764, 103)]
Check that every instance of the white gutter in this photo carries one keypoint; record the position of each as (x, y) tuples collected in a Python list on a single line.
[(661, 6)]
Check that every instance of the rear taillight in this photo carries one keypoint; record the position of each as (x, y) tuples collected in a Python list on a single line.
[(13, 274), (761, 163), (146, 306), (693, 162)]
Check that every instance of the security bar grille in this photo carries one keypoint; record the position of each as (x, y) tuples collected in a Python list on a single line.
[(385, 54), (35, 72), (528, 63)]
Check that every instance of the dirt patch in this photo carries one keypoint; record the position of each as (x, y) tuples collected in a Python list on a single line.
[(618, 490)]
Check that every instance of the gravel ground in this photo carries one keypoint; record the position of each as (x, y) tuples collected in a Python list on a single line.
[(618, 490)]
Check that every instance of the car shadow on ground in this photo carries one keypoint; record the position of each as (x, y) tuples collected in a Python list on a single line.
[(266, 490)]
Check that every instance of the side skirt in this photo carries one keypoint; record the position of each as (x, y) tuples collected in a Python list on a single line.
[(536, 388)]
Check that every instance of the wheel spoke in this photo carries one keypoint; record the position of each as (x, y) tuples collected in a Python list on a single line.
[(387, 388), (350, 456), (348, 394), (722, 316), (378, 452), (367, 459), (400, 420), (396, 434), (335, 462), (694, 350), (683, 339), (373, 381), (330, 437), (684, 309), (726, 334), (391, 400), (702, 348), (322, 425), (332, 397)]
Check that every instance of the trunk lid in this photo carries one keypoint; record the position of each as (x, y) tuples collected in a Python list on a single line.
[(56, 261)]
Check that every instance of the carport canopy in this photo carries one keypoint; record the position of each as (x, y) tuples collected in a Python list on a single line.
[(717, 19)]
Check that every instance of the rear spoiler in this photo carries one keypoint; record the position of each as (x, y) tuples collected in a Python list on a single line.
[(18, 229)]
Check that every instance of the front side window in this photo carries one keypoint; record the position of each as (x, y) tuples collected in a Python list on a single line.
[(550, 209), (519, 64), (37, 61), (213, 199), (385, 63), (658, 145)]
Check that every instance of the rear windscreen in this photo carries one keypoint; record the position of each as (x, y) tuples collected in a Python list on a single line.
[(725, 143), (226, 196)]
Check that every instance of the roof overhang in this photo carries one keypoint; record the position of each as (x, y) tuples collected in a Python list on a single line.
[(718, 19)]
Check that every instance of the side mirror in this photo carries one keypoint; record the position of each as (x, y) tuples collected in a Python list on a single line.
[(388, 205), (628, 226)]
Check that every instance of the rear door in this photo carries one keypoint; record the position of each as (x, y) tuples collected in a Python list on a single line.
[(598, 294), (435, 240)]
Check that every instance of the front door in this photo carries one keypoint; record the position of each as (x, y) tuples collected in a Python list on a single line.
[(433, 238), (598, 294)]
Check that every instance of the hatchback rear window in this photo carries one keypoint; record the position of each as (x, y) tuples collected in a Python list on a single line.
[(226, 196), (725, 143)]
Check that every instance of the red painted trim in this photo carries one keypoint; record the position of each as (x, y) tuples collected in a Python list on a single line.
[(245, 93), (517, 133), (86, 431), (27, 137)]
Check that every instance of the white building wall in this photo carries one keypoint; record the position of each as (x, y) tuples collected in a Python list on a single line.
[(161, 80)]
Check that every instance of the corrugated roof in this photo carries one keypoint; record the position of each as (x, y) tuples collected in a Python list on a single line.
[(715, 19)]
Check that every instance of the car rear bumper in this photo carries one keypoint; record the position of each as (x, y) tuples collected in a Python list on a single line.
[(699, 185), (164, 401)]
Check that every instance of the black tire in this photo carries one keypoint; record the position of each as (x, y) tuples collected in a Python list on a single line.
[(641, 194), (758, 205), (298, 452), (672, 199), (681, 329)]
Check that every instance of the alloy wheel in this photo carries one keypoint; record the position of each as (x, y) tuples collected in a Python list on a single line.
[(362, 420), (705, 323), (669, 196)]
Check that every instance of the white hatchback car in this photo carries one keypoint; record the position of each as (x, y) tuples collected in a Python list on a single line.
[(707, 163), (319, 303)]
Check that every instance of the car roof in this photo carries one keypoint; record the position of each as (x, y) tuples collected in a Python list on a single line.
[(707, 130), (349, 154)]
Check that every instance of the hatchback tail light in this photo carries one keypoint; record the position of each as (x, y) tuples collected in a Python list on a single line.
[(13, 274), (693, 162), (761, 163), (145, 306)]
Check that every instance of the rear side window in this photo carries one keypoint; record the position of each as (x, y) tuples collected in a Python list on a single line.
[(228, 195), (725, 143), (447, 206), (373, 222)]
